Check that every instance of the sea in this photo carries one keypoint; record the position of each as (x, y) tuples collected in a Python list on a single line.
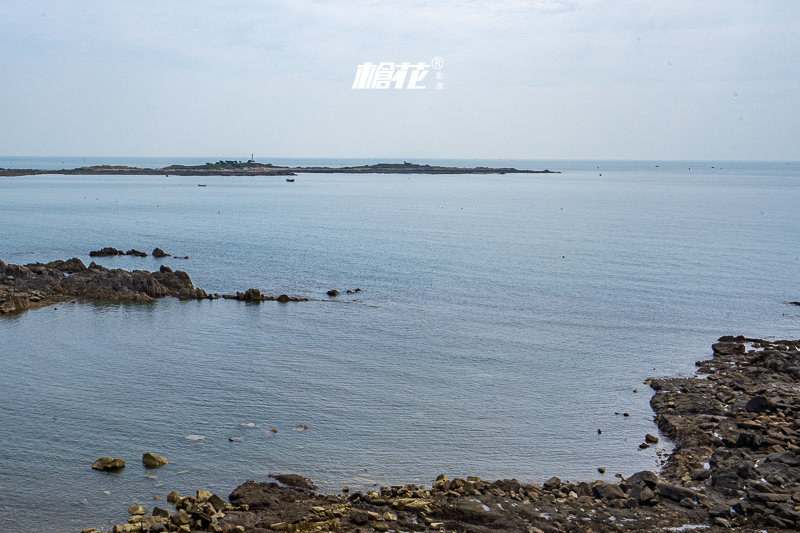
[(502, 321)]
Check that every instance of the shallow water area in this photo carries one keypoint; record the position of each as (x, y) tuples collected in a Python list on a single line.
[(502, 321)]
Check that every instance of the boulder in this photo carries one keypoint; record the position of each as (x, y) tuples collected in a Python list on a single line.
[(158, 252), (151, 460), (294, 480), (643, 478), (651, 439), (106, 252), (608, 491), (333, 292), (135, 252), (758, 404), (676, 492), (552, 484), (109, 464), (728, 348), (136, 510), (787, 458)]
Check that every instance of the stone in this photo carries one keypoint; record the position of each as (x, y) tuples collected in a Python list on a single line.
[(218, 503), (158, 252), (602, 470), (283, 298), (787, 458), (294, 480), (151, 460), (608, 491), (136, 510), (758, 404), (333, 292), (203, 495), (676, 492), (106, 252), (359, 517), (729, 348), (701, 474), (651, 439), (173, 497), (109, 464), (552, 484), (719, 510), (722, 522), (643, 478), (158, 511)]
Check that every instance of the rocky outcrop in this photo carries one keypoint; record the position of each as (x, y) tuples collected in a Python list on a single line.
[(158, 252), (255, 295), (106, 252), (35, 285), (737, 432)]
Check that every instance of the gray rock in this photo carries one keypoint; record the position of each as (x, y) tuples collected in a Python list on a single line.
[(552, 484), (608, 491)]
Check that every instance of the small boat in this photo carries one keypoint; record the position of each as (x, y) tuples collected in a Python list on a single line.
[(290, 180), (201, 185)]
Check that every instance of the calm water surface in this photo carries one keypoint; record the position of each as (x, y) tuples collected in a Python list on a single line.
[(503, 320)]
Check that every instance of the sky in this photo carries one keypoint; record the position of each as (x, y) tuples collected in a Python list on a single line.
[(583, 79)]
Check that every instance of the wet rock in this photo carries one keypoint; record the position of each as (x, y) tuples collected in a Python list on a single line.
[(294, 480), (651, 439), (333, 292), (106, 252), (729, 348), (136, 253), (109, 464), (151, 460)]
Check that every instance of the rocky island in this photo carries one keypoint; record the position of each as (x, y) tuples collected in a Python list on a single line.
[(251, 168), (735, 467)]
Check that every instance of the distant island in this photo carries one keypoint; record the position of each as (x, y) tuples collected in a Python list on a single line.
[(251, 168)]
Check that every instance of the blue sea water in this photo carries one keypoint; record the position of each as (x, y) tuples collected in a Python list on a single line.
[(502, 321)]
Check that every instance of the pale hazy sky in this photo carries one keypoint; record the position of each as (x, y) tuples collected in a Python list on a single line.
[(583, 79)]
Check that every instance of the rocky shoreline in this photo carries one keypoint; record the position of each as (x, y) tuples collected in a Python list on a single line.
[(735, 467)]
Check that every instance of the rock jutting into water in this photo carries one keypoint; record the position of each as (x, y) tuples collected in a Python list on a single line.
[(255, 295), (735, 466), (40, 284)]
